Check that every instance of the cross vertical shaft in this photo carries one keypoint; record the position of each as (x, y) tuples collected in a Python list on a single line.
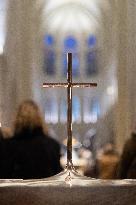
[(69, 110)]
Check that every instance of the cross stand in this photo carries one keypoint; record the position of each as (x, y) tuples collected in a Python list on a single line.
[(69, 85)]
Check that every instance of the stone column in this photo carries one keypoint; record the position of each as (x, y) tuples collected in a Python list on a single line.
[(123, 118), (22, 54), (132, 60)]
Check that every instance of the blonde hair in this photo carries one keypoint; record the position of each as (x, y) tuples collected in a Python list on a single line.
[(29, 117)]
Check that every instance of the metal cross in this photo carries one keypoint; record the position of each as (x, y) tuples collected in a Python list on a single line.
[(69, 85)]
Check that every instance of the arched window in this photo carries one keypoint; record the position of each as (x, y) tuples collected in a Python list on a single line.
[(51, 110), (76, 110), (71, 45), (91, 109), (91, 41), (63, 110), (94, 109), (91, 56), (49, 55)]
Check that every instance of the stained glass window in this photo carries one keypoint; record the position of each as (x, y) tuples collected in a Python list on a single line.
[(91, 109), (63, 110), (49, 55), (91, 56), (71, 45), (51, 110), (94, 109), (91, 41), (75, 64), (76, 110), (48, 40)]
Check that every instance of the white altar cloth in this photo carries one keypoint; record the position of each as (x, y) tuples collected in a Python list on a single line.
[(57, 192)]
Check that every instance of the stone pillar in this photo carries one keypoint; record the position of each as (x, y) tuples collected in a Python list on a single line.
[(132, 60), (123, 116), (22, 54)]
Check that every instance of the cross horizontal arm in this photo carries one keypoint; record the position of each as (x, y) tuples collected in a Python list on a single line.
[(65, 85), (83, 85), (51, 85)]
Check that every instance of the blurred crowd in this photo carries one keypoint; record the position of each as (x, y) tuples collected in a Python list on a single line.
[(108, 164), (27, 151)]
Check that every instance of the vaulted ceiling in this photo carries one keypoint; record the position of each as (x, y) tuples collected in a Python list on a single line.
[(74, 16)]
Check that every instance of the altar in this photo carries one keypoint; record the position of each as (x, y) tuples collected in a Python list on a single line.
[(83, 192)]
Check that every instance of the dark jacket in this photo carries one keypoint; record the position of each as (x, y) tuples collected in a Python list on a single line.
[(127, 164), (30, 155)]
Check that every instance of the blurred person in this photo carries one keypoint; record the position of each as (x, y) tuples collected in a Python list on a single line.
[(1, 141), (127, 163), (7, 132), (30, 153), (1, 134), (1, 149), (91, 168), (107, 161), (89, 141)]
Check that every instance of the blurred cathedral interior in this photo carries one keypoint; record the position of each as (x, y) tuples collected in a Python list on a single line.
[(36, 35)]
